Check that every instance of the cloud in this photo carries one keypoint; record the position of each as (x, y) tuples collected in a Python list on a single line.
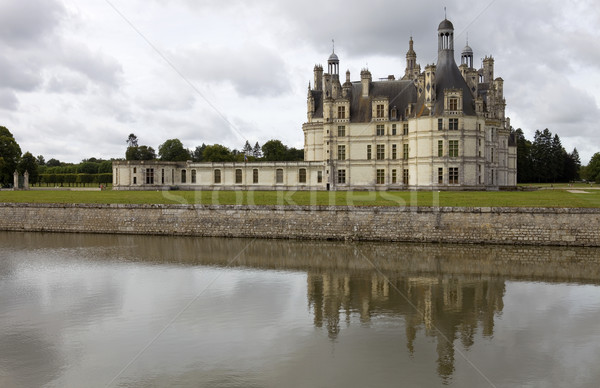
[(8, 100), (97, 67), (19, 73), (252, 69), (25, 22)]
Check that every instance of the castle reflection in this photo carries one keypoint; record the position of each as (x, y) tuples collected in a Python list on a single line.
[(443, 307), (450, 293)]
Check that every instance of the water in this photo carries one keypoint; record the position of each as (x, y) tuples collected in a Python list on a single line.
[(137, 311)]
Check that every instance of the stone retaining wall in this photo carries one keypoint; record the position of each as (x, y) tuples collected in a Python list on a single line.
[(521, 226)]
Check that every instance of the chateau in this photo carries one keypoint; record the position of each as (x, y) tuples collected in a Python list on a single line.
[(442, 128)]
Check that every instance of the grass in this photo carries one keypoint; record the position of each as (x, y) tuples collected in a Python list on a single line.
[(540, 198)]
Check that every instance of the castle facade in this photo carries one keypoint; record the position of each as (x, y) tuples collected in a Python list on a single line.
[(442, 128)]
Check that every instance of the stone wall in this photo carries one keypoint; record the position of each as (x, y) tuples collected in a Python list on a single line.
[(518, 226)]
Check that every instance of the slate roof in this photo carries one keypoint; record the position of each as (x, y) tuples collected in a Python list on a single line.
[(399, 94)]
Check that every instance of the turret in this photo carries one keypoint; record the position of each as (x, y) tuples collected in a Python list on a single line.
[(412, 68), (466, 58)]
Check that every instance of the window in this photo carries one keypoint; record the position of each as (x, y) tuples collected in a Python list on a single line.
[(341, 130), (393, 151), (134, 170), (380, 151), (217, 176), (393, 129), (453, 148), (453, 124), (380, 110), (394, 113), (302, 175), (453, 103), (255, 175), (193, 176), (341, 176), (440, 175), (394, 176), (405, 151), (134, 180), (149, 176), (405, 176), (238, 175), (369, 152), (341, 155), (162, 176), (279, 175), (440, 124), (405, 129), (440, 148), (380, 130), (341, 112), (380, 176), (183, 176), (492, 154), (319, 176), (453, 175)]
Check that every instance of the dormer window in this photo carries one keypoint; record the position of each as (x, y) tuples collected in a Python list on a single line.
[(380, 110), (341, 112), (453, 104), (394, 113)]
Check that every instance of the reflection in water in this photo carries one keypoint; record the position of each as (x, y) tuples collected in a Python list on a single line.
[(445, 307), (74, 309)]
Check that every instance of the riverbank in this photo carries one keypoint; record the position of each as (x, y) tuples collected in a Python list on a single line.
[(475, 225)]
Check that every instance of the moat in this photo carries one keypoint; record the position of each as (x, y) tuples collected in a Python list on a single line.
[(137, 311)]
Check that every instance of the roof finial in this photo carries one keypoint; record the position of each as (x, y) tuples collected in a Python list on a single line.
[(467, 38), (445, 17), (333, 46)]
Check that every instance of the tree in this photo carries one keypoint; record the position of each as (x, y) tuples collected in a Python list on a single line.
[(524, 165), (132, 140), (53, 163), (28, 163), (247, 150), (256, 151), (140, 153), (10, 152), (541, 154), (173, 150), (197, 154), (40, 160), (274, 150), (295, 154), (592, 170), (105, 167), (87, 168), (217, 153), (572, 166)]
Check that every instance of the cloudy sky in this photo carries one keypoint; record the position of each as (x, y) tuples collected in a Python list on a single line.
[(77, 77)]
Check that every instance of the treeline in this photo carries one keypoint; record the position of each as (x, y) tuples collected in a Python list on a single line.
[(545, 160), (89, 171), (173, 150), (52, 172)]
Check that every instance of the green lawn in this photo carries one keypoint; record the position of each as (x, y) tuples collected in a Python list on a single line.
[(540, 198)]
